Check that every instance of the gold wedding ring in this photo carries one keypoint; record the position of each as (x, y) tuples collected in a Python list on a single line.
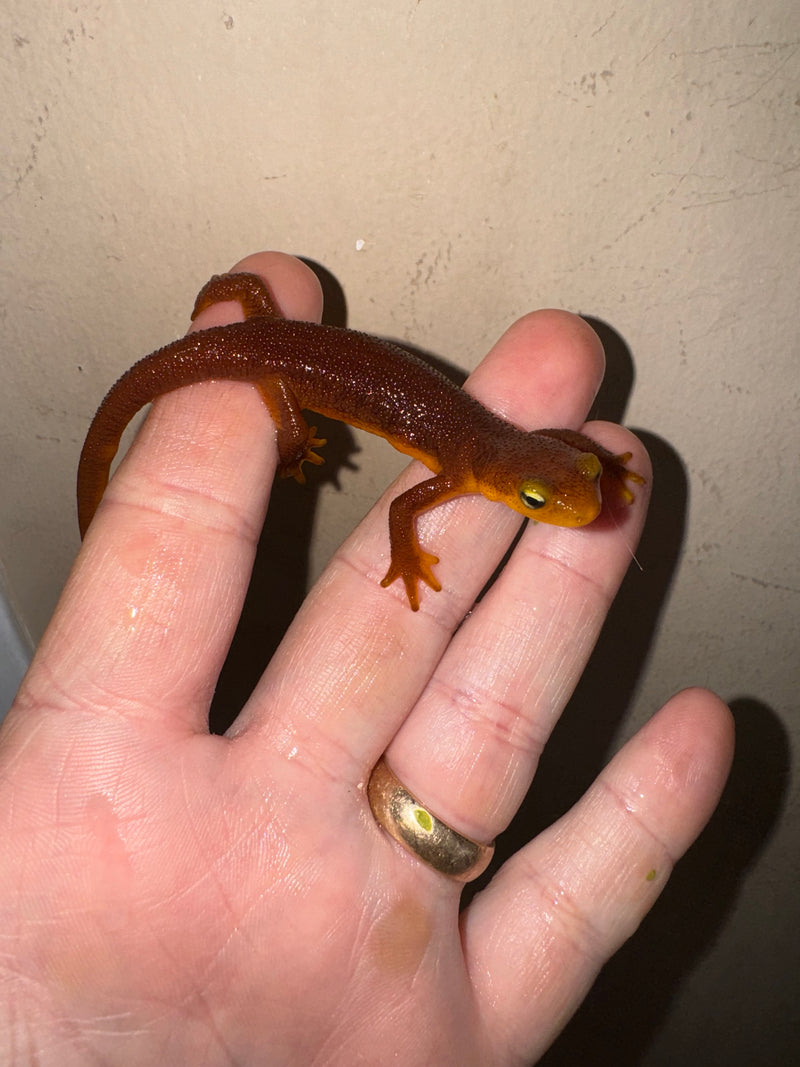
[(419, 831)]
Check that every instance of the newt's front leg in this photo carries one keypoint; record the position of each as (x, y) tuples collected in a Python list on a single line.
[(409, 560), (296, 440)]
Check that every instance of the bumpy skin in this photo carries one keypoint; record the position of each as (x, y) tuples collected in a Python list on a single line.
[(553, 476)]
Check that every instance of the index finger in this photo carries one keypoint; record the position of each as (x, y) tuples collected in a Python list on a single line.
[(149, 610)]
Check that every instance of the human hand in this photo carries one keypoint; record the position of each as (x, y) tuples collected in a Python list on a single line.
[(171, 896)]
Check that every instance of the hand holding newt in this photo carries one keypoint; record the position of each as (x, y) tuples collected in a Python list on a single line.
[(172, 894), (553, 476)]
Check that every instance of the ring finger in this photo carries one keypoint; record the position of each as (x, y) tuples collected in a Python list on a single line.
[(470, 747)]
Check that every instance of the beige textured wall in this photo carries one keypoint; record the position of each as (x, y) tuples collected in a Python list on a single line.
[(453, 166)]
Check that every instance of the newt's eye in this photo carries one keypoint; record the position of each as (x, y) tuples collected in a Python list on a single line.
[(532, 496)]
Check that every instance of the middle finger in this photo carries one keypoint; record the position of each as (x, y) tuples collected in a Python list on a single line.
[(356, 658)]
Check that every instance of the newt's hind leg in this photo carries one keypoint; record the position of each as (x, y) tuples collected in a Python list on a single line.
[(296, 440), (247, 289)]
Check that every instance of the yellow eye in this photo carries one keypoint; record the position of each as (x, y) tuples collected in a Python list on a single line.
[(532, 496)]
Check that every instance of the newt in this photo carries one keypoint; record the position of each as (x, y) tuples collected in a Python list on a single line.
[(552, 476)]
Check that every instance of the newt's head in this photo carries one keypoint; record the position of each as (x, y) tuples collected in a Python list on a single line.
[(546, 480)]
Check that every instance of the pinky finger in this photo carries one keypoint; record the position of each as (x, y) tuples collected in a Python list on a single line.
[(536, 938)]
